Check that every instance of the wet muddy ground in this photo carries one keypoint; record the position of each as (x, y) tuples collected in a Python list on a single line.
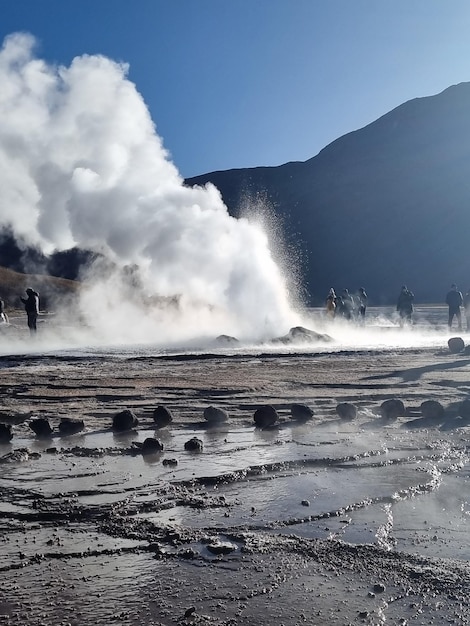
[(322, 522)]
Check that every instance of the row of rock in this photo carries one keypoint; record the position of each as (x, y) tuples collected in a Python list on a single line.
[(265, 416)]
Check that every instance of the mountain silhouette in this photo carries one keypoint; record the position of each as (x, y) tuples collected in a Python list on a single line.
[(380, 207)]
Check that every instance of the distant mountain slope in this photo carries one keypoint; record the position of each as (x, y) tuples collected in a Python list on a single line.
[(379, 207), (51, 290)]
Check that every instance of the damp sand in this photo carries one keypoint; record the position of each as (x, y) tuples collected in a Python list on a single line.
[(323, 522)]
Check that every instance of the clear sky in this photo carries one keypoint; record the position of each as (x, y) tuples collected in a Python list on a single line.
[(245, 83)]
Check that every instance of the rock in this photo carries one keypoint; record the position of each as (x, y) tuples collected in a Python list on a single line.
[(266, 416), (194, 445), (346, 411), (301, 412), (170, 462), (456, 344), (221, 547), (214, 415), (162, 416), (5, 433), (226, 340), (391, 409), (432, 411), (69, 426), (41, 427), (151, 446), (299, 334), (125, 420)]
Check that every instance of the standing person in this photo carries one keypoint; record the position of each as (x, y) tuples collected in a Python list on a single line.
[(331, 303), (405, 305), (454, 301), (348, 304), (362, 297), (31, 306), (466, 304), (3, 315)]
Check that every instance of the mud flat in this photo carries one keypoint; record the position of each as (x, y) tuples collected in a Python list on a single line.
[(323, 521)]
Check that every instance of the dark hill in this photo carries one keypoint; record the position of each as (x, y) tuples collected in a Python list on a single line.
[(379, 207)]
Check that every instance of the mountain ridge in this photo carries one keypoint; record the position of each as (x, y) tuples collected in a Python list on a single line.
[(379, 207)]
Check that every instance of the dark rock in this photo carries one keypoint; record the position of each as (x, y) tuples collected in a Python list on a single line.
[(5, 433), (151, 446), (346, 411), (69, 426), (456, 344), (392, 409), (301, 412), (266, 416), (170, 462), (299, 334), (125, 420), (432, 411), (379, 587), (214, 415), (162, 416), (305, 503), (41, 427), (194, 445), (226, 340)]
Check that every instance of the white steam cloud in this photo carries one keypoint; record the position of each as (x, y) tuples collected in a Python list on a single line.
[(81, 165)]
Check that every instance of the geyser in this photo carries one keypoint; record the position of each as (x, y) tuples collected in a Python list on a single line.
[(81, 165)]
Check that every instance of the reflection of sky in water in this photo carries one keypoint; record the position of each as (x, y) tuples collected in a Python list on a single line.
[(353, 475)]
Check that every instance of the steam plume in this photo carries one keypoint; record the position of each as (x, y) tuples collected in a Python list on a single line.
[(81, 165)]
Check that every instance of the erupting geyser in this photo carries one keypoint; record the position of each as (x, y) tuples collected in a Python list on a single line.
[(82, 165)]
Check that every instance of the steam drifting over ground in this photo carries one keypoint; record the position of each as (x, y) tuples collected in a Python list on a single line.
[(81, 165)]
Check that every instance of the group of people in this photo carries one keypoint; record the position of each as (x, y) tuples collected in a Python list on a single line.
[(454, 300), (347, 305), (31, 305), (353, 306)]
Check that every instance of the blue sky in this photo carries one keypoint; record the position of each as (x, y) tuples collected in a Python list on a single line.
[(245, 83)]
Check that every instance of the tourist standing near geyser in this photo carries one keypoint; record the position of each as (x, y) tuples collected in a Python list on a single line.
[(31, 306), (454, 301)]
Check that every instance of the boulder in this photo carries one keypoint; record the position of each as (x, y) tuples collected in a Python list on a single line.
[(432, 411), (69, 426), (151, 446), (301, 412), (194, 445), (125, 420), (456, 345), (5, 433), (41, 427), (346, 411), (299, 334), (162, 416), (392, 409), (266, 416), (213, 415), (226, 340)]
